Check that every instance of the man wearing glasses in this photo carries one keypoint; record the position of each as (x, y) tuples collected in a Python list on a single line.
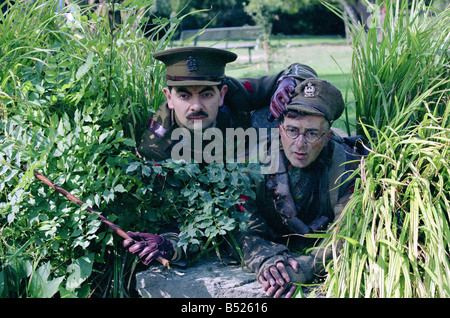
[(303, 196)]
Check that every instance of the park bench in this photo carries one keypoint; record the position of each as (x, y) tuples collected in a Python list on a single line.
[(227, 38)]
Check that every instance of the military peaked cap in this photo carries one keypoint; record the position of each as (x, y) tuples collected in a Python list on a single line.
[(186, 66)]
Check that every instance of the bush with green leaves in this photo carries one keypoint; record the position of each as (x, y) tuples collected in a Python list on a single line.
[(75, 96), (205, 202)]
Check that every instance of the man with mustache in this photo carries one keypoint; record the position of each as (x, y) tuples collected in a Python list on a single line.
[(306, 194), (200, 95)]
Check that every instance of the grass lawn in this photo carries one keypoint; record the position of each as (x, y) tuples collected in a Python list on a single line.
[(330, 56)]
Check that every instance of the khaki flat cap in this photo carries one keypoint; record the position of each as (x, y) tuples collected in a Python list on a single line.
[(317, 97)]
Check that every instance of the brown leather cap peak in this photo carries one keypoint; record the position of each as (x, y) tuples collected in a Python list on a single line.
[(186, 66), (318, 97)]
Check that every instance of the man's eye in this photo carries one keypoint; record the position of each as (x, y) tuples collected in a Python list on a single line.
[(292, 131), (312, 134)]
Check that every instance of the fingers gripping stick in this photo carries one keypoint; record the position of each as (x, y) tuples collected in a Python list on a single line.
[(73, 198)]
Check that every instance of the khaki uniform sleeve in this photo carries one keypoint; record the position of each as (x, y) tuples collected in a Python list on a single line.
[(256, 245), (259, 252)]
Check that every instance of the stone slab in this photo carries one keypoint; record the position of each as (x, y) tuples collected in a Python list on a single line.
[(208, 278)]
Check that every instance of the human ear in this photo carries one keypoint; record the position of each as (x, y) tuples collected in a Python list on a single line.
[(222, 93), (166, 91), (330, 134)]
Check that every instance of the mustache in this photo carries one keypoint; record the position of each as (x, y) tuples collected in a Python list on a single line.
[(199, 113)]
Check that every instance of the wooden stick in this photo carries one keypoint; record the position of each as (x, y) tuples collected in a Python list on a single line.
[(73, 198)]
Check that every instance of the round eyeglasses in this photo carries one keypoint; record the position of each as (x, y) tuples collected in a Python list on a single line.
[(310, 136)]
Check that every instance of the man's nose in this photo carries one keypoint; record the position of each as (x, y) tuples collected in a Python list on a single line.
[(195, 103), (300, 141)]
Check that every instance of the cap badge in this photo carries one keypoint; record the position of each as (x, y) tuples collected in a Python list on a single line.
[(309, 90), (192, 64)]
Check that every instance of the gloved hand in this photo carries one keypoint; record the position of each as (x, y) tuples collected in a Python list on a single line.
[(282, 96), (276, 279), (148, 246)]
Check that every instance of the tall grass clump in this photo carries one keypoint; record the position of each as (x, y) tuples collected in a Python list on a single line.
[(395, 229), (400, 57), (76, 90)]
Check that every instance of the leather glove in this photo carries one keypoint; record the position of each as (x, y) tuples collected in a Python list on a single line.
[(282, 96), (149, 246)]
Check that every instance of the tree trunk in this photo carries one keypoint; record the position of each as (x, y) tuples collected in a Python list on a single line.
[(351, 16), (354, 13)]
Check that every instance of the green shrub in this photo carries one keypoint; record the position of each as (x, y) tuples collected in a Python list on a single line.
[(75, 96)]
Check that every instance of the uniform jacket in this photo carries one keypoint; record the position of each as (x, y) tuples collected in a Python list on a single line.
[(276, 228)]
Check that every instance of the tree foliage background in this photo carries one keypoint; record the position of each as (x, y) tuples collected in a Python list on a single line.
[(288, 17)]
